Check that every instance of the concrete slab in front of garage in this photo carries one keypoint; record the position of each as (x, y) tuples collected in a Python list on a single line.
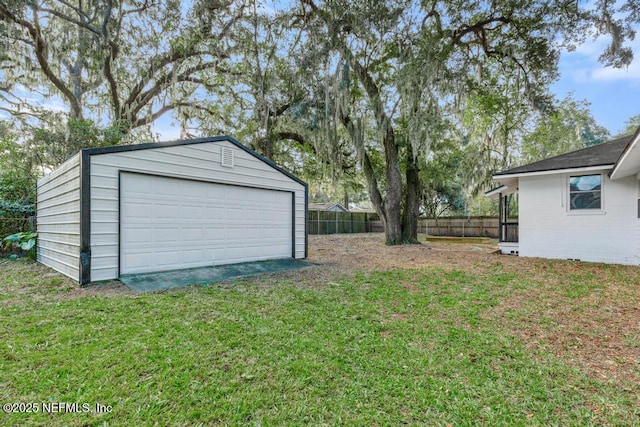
[(149, 282)]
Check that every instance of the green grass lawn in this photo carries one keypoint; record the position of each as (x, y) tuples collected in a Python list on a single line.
[(412, 347)]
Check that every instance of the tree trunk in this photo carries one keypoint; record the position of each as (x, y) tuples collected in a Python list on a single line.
[(411, 201), (393, 200), (389, 209), (367, 168)]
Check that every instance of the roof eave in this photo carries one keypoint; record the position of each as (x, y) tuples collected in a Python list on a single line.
[(501, 175), (630, 154), (501, 190)]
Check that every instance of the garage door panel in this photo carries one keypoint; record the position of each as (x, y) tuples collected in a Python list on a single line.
[(235, 214), (217, 253), (192, 235), (193, 256), (164, 211), (163, 234), (191, 190), (192, 213), (253, 214), (139, 185), (215, 194), (256, 197), (136, 260), (271, 233), (235, 196), (271, 249), (216, 212), (166, 189), (198, 224), (236, 254), (214, 232), (233, 238), (166, 259), (137, 234), (137, 210)]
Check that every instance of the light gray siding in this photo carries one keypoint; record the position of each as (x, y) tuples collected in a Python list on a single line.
[(192, 161), (58, 218)]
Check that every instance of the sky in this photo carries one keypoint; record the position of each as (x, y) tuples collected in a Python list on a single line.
[(614, 94)]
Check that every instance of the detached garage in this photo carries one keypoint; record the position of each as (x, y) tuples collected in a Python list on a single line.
[(145, 208)]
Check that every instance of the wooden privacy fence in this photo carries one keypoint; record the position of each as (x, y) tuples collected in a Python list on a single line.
[(461, 226), (322, 222)]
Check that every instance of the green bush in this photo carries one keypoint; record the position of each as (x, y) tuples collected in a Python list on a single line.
[(25, 240), (14, 218)]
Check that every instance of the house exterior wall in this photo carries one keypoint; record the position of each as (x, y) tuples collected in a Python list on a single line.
[(192, 161), (549, 229), (637, 215), (58, 218)]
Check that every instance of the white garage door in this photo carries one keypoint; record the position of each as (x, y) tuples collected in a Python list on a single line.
[(169, 224)]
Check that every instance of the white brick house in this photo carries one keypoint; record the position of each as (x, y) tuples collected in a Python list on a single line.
[(583, 205)]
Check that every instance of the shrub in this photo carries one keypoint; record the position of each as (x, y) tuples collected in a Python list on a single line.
[(25, 240)]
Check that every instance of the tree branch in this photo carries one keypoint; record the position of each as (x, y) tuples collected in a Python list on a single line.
[(156, 64), (367, 166), (112, 53), (77, 10), (153, 116), (463, 30), (163, 84), (41, 54), (294, 136), (283, 108), (74, 21)]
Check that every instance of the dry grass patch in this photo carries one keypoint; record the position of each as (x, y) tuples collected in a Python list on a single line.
[(588, 314)]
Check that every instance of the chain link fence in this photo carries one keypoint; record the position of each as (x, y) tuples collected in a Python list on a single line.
[(325, 222)]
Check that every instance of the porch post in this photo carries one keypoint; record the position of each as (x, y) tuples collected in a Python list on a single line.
[(500, 219)]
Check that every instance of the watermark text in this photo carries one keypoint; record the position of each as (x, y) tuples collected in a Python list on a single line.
[(55, 408)]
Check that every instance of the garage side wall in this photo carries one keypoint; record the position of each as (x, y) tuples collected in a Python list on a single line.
[(200, 161), (58, 218)]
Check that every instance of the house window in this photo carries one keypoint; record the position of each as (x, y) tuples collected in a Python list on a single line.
[(585, 192)]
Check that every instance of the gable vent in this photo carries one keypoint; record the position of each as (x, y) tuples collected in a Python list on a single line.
[(226, 158)]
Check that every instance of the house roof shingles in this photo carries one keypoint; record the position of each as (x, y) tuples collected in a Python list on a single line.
[(326, 206), (597, 155)]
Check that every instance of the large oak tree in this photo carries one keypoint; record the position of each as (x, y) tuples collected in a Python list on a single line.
[(130, 61)]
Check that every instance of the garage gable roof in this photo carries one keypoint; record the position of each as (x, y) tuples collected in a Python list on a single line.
[(151, 145), (605, 154)]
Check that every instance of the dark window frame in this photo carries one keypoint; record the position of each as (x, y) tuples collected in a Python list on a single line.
[(577, 193)]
